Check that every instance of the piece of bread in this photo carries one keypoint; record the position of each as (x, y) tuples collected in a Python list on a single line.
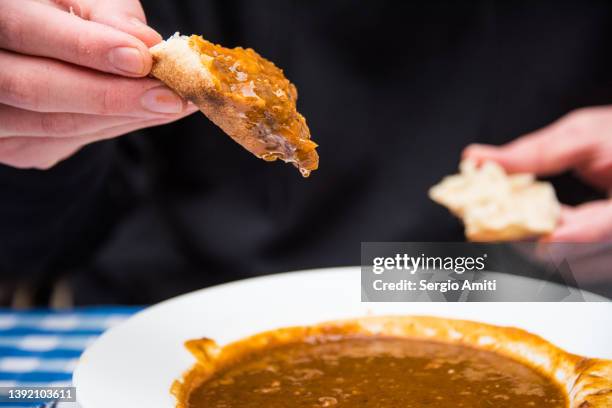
[(495, 206), (244, 94)]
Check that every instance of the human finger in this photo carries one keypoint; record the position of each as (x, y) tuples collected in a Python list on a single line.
[(590, 222), (563, 145), (124, 15), (44, 85), (45, 152), (33, 28), (21, 122)]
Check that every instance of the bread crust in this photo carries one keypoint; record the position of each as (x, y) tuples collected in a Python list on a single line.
[(587, 382), (184, 70)]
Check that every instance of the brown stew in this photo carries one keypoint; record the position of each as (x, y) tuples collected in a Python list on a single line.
[(242, 74), (366, 371)]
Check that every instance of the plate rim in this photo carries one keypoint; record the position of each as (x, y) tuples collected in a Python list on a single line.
[(77, 377)]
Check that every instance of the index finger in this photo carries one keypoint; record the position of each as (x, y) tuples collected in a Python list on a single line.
[(545, 152), (37, 29), (124, 15)]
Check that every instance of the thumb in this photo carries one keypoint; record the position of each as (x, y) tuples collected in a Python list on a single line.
[(560, 146), (124, 15), (590, 222)]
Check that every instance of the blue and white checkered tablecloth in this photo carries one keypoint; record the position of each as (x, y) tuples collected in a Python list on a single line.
[(42, 347)]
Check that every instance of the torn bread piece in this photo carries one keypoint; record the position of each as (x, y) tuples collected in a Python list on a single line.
[(495, 206), (241, 92)]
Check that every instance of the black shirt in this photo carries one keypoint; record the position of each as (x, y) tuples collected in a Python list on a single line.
[(392, 92)]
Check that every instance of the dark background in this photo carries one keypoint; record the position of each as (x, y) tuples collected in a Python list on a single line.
[(392, 92)]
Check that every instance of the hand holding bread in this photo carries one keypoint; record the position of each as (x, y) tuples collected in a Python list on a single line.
[(580, 141), (75, 72)]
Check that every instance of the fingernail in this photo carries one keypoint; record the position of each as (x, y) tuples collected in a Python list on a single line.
[(162, 100), (127, 59), (479, 146), (478, 150)]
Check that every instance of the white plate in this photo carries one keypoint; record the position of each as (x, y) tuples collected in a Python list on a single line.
[(134, 364)]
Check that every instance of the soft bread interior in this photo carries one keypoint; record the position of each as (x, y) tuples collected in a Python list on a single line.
[(186, 61), (496, 206)]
